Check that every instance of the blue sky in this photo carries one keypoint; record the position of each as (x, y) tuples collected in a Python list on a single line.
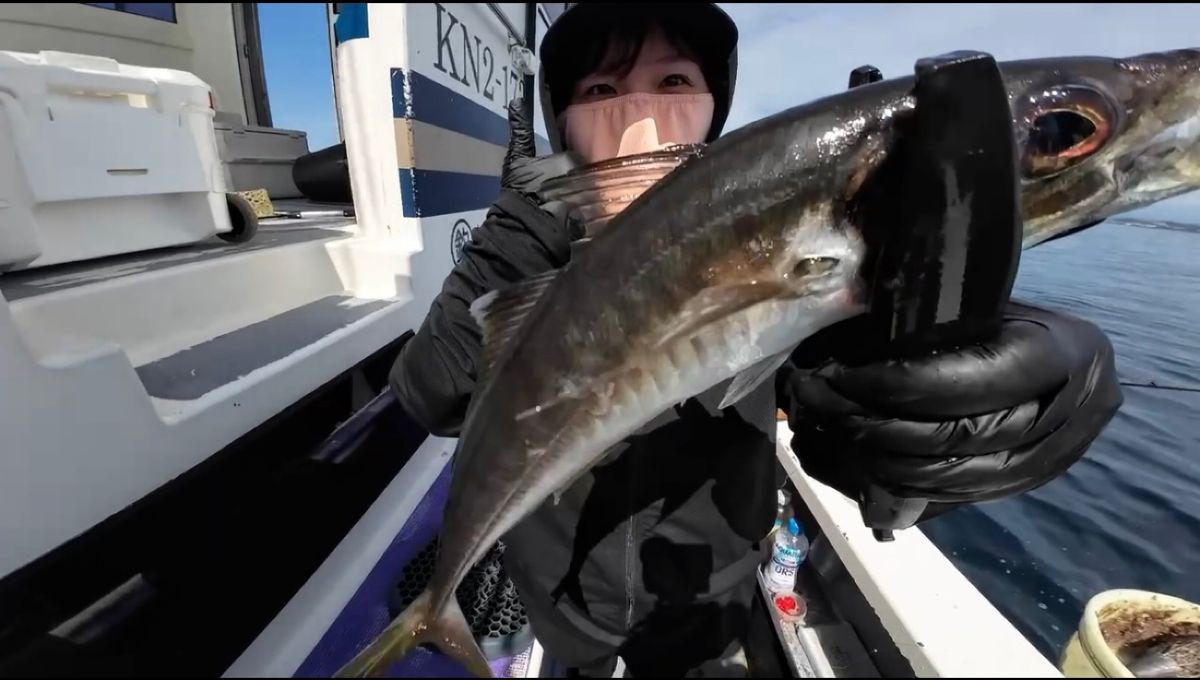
[(790, 54), (295, 44)]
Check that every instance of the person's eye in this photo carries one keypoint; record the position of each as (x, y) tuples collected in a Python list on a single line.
[(675, 80), (600, 90)]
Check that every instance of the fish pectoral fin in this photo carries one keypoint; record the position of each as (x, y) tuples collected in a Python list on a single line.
[(500, 314), (717, 302), (594, 194), (745, 382)]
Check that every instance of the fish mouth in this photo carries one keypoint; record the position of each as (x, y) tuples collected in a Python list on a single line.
[(1165, 162), (1169, 165)]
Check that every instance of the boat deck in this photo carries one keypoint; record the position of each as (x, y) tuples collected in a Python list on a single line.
[(192, 356), (169, 355), (273, 232), (823, 645)]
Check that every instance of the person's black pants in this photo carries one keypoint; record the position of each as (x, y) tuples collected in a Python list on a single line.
[(672, 641)]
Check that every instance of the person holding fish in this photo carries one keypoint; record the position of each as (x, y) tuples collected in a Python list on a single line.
[(650, 555)]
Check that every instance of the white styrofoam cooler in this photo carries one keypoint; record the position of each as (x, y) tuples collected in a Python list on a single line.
[(260, 157), (99, 158)]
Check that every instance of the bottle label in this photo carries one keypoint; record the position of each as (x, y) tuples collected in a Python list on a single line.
[(783, 570), (786, 554), (784, 563)]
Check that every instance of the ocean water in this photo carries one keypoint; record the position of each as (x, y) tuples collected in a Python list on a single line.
[(1128, 514)]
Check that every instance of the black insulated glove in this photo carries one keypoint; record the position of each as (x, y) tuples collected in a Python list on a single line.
[(977, 423), (524, 171)]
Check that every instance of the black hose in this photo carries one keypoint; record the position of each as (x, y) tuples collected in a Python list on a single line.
[(324, 176)]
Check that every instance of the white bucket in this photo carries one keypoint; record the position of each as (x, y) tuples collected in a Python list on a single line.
[(1090, 655)]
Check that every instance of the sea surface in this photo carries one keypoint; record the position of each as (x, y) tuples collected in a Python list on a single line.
[(1128, 514)]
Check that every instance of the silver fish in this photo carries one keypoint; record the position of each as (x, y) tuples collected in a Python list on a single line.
[(737, 255), (1165, 657)]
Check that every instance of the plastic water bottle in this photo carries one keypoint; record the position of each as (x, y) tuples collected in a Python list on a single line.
[(783, 511), (791, 547)]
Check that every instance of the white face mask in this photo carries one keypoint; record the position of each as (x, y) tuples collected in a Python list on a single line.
[(636, 123)]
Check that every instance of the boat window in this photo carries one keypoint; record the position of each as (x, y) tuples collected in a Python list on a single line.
[(163, 11)]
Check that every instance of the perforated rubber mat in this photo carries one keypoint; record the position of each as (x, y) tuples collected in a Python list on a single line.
[(487, 597)]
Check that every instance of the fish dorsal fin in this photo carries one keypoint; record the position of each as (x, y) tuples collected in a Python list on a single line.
[(501, 312), (745, 382), (716, 302), (596, 193)]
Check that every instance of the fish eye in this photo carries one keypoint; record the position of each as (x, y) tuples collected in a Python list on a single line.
[(813, 266), (1065, 126), (1058, 132)]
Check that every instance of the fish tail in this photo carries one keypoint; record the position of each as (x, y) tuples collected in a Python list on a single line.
[(448, 631)]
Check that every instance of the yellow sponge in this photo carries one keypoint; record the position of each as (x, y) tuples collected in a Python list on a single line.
[(260, 201)]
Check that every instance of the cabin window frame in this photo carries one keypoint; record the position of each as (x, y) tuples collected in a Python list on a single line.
[(132, 7)]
